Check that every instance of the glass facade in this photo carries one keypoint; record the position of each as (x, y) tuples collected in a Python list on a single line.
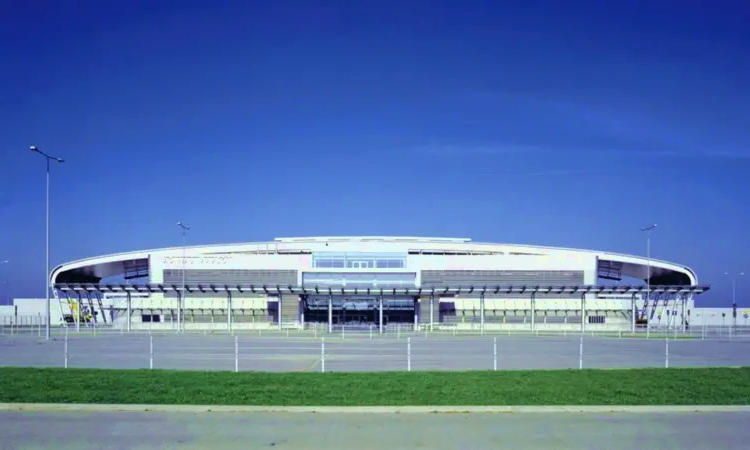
[(332, 260)]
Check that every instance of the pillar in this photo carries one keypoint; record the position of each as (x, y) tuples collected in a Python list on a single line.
[(380, 319), (432, 312), (481, 312), (533, 310), (229, 311), (330, 314), (416, 314), (129, 311), (632, 307), (583, 313), (280, 310)]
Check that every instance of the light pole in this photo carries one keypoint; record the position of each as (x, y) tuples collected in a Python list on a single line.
[(7, 286), (47, 280), (734, 292), (648, 263), (182, 295)]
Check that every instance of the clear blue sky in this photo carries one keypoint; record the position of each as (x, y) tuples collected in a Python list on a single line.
[(540, 122)]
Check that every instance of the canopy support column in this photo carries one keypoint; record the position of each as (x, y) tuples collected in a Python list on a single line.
[(229, 311), (380, 319), (533, 310), (481, 312), (632, 308), (330, 314), (583, 313), (129, 310)]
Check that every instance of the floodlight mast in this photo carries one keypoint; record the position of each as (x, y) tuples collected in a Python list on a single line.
[(48, 280), (181, 301), (648, 263), (734, 291)]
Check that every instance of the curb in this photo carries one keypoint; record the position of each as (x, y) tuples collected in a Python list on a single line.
[(72, 407)]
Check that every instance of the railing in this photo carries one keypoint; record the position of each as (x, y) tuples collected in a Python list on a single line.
[(358, 348)]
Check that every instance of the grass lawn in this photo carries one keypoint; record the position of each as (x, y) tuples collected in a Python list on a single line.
[(711, 386)]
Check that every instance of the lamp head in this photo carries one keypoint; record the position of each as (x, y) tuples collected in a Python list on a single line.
[(33, 148)]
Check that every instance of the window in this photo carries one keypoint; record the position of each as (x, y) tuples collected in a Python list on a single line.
[(596, 319), (150, 318)]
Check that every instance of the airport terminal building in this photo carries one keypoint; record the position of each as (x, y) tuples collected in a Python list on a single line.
[(330, 282)]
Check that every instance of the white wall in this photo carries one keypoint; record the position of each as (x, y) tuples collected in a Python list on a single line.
[(713, 317)]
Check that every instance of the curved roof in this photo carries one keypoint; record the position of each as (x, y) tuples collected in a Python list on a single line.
[(663, 272)]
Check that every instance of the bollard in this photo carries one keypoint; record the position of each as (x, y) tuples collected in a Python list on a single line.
[(370, 331), (343, 331), (666, 353), (236, 355), (580, 353), (150, 351), (323, 355), (408, 354), (66, 350), (494, 353)]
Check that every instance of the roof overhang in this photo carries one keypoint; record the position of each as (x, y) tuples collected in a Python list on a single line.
[(457, 289)]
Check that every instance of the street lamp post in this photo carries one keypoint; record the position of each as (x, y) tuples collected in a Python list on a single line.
[(734, 293), (7, 286), (648, 263), (180, 317), (47, 157)]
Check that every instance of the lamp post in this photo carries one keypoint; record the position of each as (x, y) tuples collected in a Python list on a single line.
[(648, 263), (734, 292), (47, 280), (180, 317), (7, 286)]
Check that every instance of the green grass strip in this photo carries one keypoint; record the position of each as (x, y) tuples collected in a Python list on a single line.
[(700, 386)]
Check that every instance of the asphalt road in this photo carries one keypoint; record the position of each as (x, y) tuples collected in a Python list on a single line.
[(330, 431), (360, 353)]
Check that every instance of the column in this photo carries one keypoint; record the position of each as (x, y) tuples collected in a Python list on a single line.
[(632, 307), (416, 314), (280, 311), (330, 314), (432, 312), (481, 312), (583, 313), (229, 311), (129, 311), (380, 320), (533, 310)]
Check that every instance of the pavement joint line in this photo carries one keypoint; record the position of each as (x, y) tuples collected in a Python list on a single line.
[(601, 409)]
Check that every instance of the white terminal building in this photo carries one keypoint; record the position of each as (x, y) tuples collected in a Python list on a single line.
[(373, 281)]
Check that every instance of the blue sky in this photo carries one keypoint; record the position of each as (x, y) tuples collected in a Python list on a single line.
[(540, 122)]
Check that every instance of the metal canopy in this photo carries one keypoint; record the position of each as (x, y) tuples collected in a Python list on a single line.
[(458, 289)]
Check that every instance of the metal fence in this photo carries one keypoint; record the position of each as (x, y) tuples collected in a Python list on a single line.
[(348, 349)]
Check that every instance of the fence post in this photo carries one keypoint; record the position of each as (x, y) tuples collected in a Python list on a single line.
[(66, 349), (150, 351), (408, 354), (236, 355), (666, 353), (494, 353), (580, 353), (323, 355)]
